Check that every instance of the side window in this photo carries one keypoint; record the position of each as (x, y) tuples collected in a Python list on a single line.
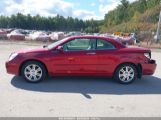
[(79, 45), (104, 45)]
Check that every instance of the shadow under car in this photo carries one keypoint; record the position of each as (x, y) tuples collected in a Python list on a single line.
[(86, 85)]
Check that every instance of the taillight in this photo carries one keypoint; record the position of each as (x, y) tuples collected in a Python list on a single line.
[(148, 55)]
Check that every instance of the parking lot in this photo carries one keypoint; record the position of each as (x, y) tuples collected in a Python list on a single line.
[(81, 97)]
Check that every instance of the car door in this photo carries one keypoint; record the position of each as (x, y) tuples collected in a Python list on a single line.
[(107, 57), (78, 57)]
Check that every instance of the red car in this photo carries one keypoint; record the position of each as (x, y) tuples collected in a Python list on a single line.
[(82, 56)]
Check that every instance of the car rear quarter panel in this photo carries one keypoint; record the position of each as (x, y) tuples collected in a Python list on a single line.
[(125, 57)]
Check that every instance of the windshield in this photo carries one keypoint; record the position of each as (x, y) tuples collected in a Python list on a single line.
[(56, 43)]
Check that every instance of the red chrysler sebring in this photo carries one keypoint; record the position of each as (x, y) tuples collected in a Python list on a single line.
[(82, 56)]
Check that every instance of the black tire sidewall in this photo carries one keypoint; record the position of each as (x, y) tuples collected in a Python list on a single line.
[(44, 74), (116, 75)]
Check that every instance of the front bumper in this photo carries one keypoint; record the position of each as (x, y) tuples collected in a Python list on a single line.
[(149, 68), (12, 68)]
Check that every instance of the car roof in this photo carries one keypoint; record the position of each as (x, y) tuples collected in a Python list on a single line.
[(87, 36), (93, 36)]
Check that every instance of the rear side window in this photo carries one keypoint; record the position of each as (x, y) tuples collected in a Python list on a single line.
[(104, 45)]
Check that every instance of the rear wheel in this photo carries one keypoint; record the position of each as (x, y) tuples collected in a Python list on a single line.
[(125, 73), (33, 71)]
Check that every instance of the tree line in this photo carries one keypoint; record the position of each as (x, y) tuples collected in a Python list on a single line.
[(57, 23)]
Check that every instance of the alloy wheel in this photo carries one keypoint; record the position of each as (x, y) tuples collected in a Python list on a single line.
[(33, 72), (126, 74)]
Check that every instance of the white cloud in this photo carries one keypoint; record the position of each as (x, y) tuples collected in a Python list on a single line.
[(106, 5), (93, 4), (45, 8), (83, 13), (86, 15), (42, 7), (54, 7)]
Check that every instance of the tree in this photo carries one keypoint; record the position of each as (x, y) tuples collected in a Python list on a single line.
[(125, 4), (142, 6)]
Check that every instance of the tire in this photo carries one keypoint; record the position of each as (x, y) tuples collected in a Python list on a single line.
[(33, 72), (126, 74)]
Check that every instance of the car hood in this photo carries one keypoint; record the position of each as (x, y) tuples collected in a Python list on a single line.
[(32, 50), (135, 49)]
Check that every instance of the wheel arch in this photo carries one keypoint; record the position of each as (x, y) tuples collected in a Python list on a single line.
[(137, 66), (35, 60)]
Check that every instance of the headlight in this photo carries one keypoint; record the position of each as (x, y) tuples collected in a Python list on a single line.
[(12, 56), (147, 55)]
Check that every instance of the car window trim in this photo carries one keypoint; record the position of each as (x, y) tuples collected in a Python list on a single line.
[(105, 48)]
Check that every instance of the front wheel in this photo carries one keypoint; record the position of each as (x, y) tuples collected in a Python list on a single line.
[(33, 72), (125, 74)]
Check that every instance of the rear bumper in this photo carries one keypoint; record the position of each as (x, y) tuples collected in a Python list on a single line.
[(149, 68), (12, 68)]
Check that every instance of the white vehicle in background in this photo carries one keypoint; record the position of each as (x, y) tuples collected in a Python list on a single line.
[(105, 34), (16, 35), (41, 36), (55, 36), (74, 34)]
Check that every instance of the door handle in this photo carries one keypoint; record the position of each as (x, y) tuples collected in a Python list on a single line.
[(91, 53), (70, 58)]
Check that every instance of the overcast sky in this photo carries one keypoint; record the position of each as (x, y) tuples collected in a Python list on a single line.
[(84, 9)]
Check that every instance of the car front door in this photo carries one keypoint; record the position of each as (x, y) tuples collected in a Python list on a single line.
[(77, 57)]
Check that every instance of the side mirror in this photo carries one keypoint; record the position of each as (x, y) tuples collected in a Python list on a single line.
[(44, 46), (60, 48)]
